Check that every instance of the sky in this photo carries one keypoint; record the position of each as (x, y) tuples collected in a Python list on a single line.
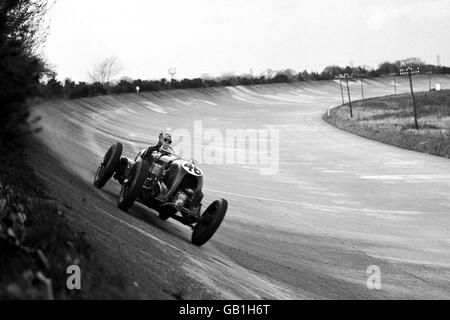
[(216, 37)]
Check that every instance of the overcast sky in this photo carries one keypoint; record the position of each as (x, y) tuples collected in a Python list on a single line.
[(220, 36)]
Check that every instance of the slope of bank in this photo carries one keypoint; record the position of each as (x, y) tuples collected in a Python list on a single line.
[(390, 120), (37, 244)]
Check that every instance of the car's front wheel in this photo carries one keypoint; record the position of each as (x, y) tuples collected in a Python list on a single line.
[(108, 166), (133, 185), (209, 222)]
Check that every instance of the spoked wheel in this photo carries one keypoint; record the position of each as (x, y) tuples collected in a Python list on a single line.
[(164, 214), (164, 211), (133, 184), (108, 166), (209, 222)]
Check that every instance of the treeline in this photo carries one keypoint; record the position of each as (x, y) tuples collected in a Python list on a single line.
[(71, 90), (21, 68)]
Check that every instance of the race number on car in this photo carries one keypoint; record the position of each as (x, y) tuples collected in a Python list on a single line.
[(192, 169)]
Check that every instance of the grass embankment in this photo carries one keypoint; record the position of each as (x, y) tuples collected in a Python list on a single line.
[(37, 245), (390, 120)]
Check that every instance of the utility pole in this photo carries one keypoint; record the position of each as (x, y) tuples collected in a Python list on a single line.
[(340, 85), (172, 72), (362, 88), (361, 78), (429, 77), (409, 72), (394, 75), (395, 85), (349, 99), (346, 76)]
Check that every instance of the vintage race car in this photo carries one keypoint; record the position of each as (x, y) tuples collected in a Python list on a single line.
[(165, 183)]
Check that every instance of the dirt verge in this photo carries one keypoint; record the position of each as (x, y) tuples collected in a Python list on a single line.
[(390, 120), (37, 244)]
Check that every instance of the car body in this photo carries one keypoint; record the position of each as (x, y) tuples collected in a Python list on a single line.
[(164, 182)]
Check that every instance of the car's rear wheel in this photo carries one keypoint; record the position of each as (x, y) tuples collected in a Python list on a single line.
[(133, 185), (108, 166), (209, 222)]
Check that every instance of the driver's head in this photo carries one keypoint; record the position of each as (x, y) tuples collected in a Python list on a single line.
[(165, 138)]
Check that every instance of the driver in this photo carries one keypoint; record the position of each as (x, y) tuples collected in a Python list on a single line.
[(164, 142)]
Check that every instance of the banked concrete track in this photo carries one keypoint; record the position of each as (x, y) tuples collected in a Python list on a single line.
[(338, 204)]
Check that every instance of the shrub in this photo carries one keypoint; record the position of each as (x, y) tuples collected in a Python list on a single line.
[(21, 68)]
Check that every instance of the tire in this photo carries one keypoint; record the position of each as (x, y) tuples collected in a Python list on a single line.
[(108, 166), (209, 222), (131, 190), (164, 212), (163, 215)]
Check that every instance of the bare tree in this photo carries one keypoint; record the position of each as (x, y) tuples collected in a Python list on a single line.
[(104, 70)]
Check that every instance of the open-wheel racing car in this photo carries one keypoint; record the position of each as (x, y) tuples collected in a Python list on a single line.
[(165, 183)]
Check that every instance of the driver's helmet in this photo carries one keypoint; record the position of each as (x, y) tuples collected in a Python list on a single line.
[(165, 138)]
